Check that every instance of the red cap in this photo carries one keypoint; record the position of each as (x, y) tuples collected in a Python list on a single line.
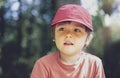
[(73, 12)]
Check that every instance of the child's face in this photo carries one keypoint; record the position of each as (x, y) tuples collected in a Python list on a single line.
[(70, 37)]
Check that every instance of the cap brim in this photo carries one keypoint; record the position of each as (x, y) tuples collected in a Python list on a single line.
[(78, 21)]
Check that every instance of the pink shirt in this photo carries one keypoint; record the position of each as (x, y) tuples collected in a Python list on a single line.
[(49, 66)]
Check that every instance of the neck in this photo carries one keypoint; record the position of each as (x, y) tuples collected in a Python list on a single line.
[(69, 59)]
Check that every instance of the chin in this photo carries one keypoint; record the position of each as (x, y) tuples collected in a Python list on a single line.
[(68, 51)]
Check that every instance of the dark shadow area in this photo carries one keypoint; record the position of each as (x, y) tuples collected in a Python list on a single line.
[(112, 60), (10, 64)]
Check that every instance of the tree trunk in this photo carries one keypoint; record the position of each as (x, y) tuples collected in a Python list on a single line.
[(2, 22)]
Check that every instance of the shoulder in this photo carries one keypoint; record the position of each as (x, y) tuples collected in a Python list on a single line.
[(92, 60), (91, 57), (42, 66), (50, 58)]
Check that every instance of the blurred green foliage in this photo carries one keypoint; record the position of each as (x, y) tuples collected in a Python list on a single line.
[(24, 35)]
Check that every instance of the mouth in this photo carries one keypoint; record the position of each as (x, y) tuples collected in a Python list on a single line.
[(68, 43)]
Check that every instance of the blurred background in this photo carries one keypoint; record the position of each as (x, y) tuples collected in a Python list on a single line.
[(25, 34)]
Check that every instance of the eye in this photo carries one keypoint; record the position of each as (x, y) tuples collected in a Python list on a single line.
[(61, 29), (77, 30)]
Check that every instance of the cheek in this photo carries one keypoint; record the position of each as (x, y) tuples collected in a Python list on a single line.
[(58, 41), (81, 41), (58, 38), (78, 35)]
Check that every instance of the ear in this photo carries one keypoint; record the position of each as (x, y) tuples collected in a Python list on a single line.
[(53, 40), (88, 40)]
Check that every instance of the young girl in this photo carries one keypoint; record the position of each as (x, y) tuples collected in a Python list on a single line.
[(72, 27)]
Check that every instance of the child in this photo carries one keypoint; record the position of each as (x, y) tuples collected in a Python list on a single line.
[(72, 27)]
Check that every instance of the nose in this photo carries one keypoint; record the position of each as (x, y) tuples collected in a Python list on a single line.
[(68, 35)]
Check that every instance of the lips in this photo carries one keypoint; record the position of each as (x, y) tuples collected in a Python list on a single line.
[(68, 43)]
